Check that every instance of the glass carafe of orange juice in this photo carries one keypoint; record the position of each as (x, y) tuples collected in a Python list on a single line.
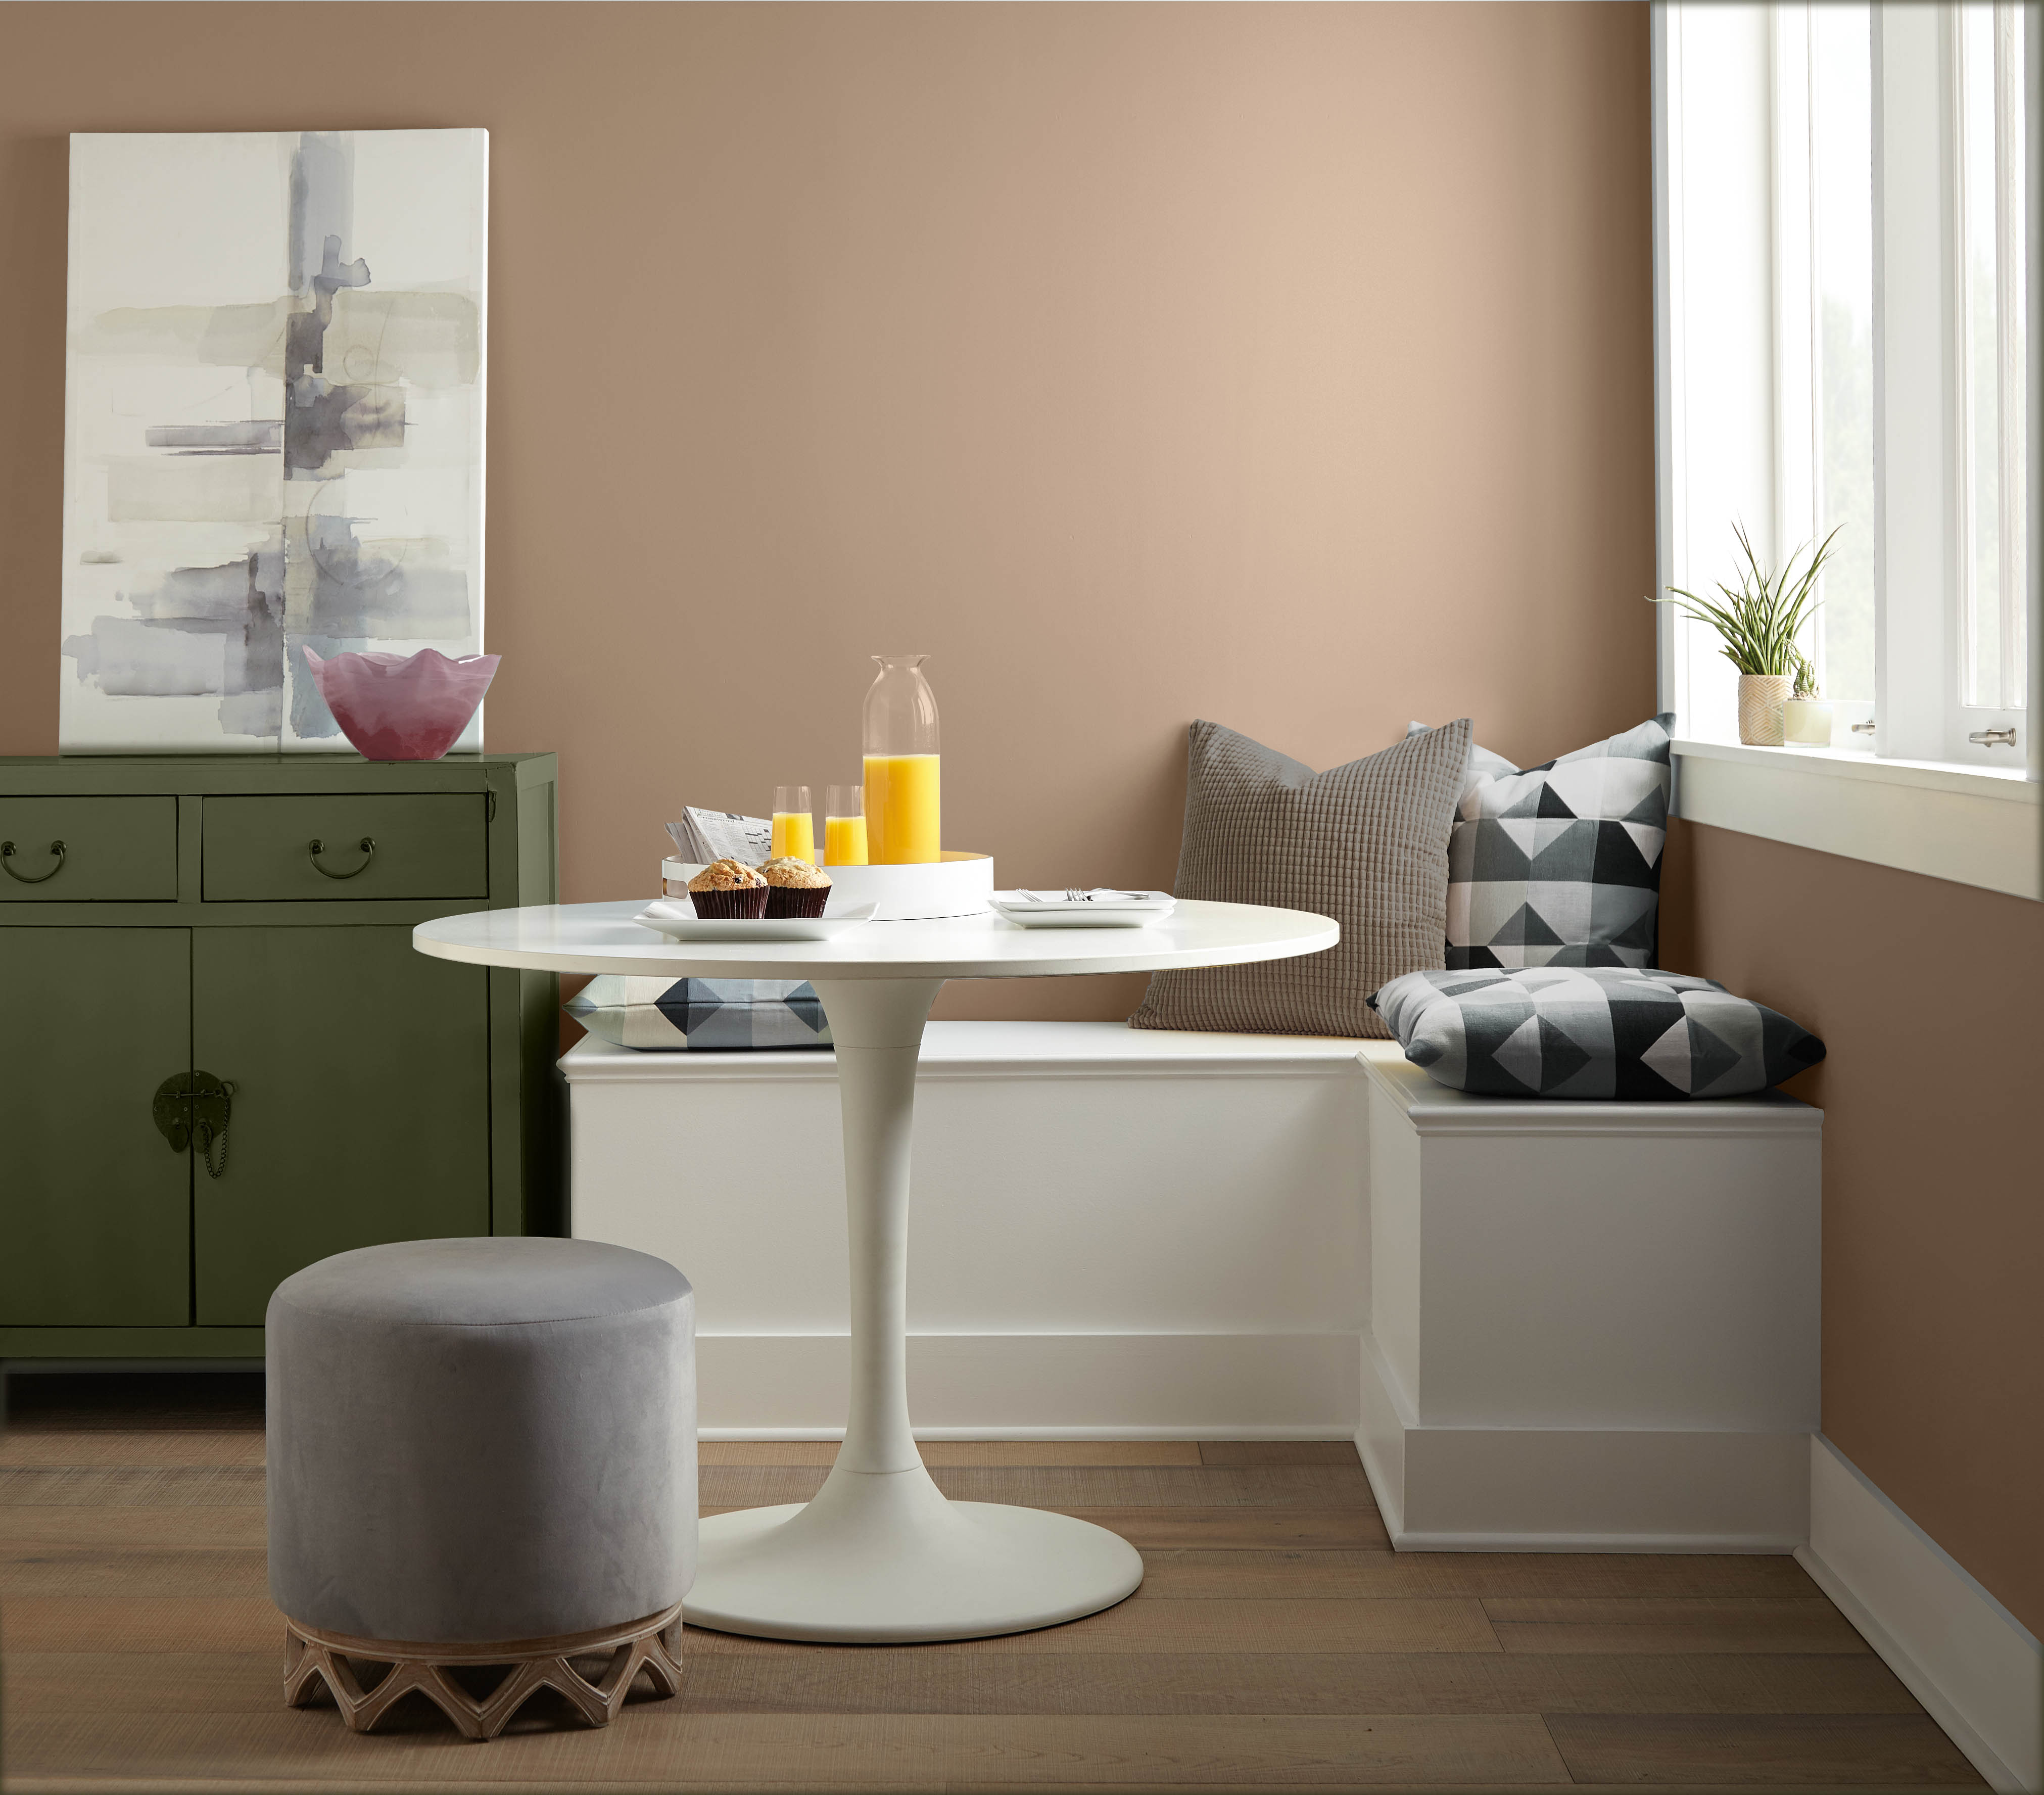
[(900, 730)]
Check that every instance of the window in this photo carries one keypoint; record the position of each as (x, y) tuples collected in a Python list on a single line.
[(1823, 294), (1841, 226), (1987, 267), (1846, 240)]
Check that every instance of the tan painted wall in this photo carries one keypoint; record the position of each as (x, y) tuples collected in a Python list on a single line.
[(1925, 994), (1287, 365), (1290, 366)]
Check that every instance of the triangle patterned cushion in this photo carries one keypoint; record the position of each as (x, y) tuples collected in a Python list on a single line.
[(701, 1015), (1560, 865), (1592, 1031)]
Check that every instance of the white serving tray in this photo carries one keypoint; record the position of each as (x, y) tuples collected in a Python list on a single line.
[(957, 885), (673, 918)]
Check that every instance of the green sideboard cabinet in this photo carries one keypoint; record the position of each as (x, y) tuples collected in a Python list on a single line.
[(186, 937)]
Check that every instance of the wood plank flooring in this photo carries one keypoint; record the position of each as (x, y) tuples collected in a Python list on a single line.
[(1277, 1642)]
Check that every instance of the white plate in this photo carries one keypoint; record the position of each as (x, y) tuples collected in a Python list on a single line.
[(1138, 909), (678, 922)]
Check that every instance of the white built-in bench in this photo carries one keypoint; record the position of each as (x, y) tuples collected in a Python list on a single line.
[(1545, 1325), (1593, 1325)]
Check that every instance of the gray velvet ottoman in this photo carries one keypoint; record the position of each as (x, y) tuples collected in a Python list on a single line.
[(482, 1453)]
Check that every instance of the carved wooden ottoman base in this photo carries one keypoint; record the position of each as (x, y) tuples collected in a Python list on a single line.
[(312, 1656)]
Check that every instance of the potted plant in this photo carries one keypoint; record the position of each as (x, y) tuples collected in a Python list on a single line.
[(1760, 622), (1806, 718)]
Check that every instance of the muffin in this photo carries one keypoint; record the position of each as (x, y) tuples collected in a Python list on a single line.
[(794, 888), (727, 888)]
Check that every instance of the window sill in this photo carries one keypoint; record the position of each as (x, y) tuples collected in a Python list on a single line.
[(1976, 825)]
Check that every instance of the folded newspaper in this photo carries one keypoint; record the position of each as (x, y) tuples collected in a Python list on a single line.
[(703, 836)]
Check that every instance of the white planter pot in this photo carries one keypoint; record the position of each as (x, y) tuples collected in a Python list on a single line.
[(1762, 698), (1808, 721)]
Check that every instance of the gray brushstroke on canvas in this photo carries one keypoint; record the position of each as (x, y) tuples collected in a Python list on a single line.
[(340, 418), (256, 437), (253, 713), (432, 340), (310, 718), (320, 416), (388, 588), (250, 337), (132, 657), (322, 202), (428, 339), (221, 592), (181, 657), (199, 632), (305, 337)]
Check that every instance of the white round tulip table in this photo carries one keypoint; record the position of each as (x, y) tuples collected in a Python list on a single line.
[(881, 1554)]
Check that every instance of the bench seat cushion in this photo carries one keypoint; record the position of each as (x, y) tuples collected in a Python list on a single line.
[(1599, 1032)]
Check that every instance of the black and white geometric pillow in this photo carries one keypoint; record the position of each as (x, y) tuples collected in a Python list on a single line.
[(702, 1015), (1599, 1032), (1482, 763), (1560, 865)]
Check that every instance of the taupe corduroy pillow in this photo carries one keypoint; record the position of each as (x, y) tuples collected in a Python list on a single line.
[(1366, 843)]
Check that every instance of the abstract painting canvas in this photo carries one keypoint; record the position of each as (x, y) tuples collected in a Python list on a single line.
[(273, 428)]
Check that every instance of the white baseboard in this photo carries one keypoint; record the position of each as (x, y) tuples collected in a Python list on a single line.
[(1576, 1490), (1043, 1387), (1975, 1667)]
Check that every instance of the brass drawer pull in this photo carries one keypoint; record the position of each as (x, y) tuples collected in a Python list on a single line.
[(7, 863), (316, 847)]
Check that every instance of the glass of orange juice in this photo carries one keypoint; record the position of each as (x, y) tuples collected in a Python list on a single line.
[(794, 827), (844, 826)]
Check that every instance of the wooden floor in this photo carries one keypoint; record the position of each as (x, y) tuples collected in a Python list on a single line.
[(1276, 1642)]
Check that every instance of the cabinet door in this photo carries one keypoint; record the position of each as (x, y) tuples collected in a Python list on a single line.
[(362, 1110), (95, 1208)]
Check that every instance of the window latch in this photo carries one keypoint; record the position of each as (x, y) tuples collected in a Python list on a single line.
[(1993, 738), (1863, 728)]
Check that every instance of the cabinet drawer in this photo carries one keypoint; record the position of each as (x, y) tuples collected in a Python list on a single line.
[(425, 846), (113, 847)]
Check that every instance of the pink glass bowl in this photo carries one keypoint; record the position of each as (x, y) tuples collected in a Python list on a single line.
[(402, 707)]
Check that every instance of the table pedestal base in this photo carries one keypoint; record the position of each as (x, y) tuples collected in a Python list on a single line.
[(880, 1555), (883, 1557)]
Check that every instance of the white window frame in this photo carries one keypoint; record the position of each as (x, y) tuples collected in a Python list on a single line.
[(2003, 708), (1735, 392)]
